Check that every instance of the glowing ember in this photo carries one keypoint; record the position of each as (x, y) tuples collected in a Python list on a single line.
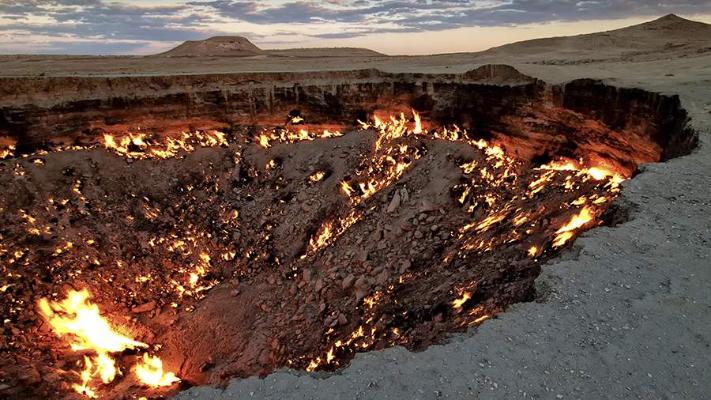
[(7, 152), (533, 251), (317, 176), (264, 139), (331, 230), (322, 238), (347, 189)]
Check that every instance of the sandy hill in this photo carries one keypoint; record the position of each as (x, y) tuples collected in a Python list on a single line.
[(667, 34), (218, 46)]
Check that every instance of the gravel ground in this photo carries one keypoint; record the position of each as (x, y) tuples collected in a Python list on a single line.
[(625, 314)]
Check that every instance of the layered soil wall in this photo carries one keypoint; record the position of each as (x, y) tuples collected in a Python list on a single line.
[(496, 98)]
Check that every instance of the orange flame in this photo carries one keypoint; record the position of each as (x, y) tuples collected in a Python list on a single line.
[(317, 176), (76, 316), (150, 372), (459, 302), (322, 238), (82, 322), (532, 251), (418, 122), (577, 221)]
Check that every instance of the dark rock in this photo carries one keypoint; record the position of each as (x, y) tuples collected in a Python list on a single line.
[(348, 282)]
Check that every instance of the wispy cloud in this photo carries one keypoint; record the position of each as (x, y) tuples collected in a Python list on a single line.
[(109, 26)]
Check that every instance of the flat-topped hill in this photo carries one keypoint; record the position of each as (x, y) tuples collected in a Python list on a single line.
[(217, 46)]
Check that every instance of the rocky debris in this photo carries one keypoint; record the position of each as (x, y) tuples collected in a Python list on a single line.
[(348, 282), (395, 202)]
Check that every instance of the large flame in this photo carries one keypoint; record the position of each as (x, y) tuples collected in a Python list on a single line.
[(81, 323), (77, 317)]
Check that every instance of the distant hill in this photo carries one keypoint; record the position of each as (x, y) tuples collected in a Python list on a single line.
[(238, 46), (218, 46), (666, 34), (326, 52)]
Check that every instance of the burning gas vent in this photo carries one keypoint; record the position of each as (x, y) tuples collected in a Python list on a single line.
[(140, 262)]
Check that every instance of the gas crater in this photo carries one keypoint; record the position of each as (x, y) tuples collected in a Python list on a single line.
[(176, 237)]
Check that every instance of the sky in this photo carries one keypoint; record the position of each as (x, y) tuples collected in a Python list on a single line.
[(388, 26)]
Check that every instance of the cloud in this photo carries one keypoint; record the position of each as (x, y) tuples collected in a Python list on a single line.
[(388, 16), (118, 23)]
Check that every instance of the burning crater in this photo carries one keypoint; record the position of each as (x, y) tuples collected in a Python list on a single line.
[(188, 236)]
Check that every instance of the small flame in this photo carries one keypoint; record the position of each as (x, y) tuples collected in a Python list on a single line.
[(566, 232), (532, 251), (346, 188), (103, 366), (458, 303), (139, 146), (322, 238), (7, 152), (599, 173), (264, 141), (150, 372), (317, 176), (418, 122), (86, 376)]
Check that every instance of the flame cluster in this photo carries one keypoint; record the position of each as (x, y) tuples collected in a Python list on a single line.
[(141, 146), (497, 218), (7, 151), (267, 137), (80, 322), (330, 230), (389, 161)]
